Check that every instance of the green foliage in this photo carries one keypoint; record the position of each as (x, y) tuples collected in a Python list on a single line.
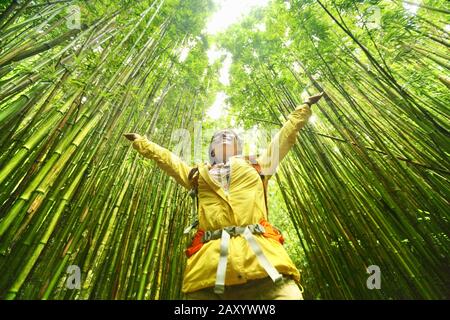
[(366, 183)]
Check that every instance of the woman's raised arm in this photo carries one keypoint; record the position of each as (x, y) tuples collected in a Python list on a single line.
[(165, 159), (283, 141)]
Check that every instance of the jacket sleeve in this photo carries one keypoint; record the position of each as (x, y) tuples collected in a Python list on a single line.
[(166, 160), (283, 141)]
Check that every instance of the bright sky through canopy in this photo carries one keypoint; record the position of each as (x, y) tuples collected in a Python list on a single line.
[(412, 6), (218, 108), (229, 12)]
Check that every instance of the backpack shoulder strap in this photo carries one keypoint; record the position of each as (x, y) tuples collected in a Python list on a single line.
[(193, 178), (253, 161)]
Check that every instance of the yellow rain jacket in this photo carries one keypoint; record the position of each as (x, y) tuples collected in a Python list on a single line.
[(244, 204)]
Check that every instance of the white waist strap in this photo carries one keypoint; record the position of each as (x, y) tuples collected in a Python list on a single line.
[(223, 259)]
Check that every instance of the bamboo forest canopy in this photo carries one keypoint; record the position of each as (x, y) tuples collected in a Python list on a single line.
[(366, 184)]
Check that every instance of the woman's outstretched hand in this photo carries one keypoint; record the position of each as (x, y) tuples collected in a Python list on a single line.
[(314, 99), (132, 136)]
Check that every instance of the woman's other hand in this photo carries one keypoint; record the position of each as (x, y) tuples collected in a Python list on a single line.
[(313, 99), (132, 136)]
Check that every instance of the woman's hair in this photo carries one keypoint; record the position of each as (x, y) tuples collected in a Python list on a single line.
[(221, 132)]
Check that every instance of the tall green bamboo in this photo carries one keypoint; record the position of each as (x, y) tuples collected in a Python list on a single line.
[(365, 184)]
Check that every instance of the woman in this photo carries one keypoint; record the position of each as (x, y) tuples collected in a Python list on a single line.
[(236, 253)]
